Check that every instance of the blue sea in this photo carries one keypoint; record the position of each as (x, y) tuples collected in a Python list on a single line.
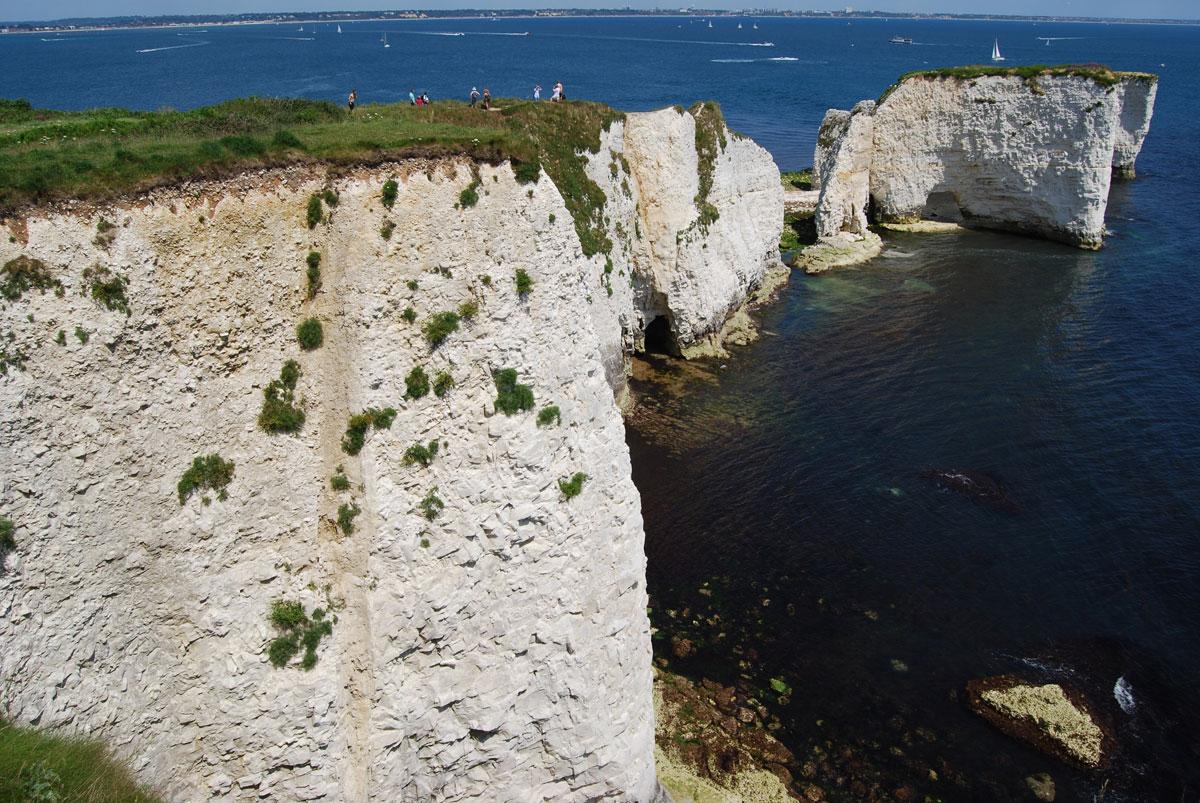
[(792, 530)]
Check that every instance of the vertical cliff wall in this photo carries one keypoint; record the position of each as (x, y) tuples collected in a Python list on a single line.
[(1028, 151), (489, 636)]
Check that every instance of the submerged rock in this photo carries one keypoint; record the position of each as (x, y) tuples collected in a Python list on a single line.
[(977, 486), (1042, 786), (1054, 718)]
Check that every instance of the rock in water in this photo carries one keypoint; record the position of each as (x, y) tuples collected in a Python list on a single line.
[(1056, 719), (977, 486), (1042, 786)]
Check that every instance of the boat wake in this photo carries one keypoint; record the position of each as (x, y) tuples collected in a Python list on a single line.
[(172, 47), (777, 59)]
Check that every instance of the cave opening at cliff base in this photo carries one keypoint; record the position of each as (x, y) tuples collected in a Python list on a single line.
[(659, 338)]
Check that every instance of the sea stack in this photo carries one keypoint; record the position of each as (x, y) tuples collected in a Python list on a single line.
[(1029, 150)]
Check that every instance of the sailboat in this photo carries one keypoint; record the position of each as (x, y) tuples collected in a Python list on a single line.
[(710, 24), (339, 29), (996, 51), (739, 26), (385, 41), (756, 26)]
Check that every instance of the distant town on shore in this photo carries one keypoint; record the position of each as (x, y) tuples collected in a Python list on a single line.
[(181, 20)]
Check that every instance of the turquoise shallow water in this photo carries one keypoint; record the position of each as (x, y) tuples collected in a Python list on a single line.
[(793, 474)]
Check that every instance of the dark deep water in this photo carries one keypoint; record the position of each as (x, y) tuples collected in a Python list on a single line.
[(792, 473)]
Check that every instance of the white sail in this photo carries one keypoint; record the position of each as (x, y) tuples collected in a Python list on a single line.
[(339, 29), (996, 51)]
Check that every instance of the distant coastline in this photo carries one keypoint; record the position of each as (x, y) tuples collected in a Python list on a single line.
[(80, 24)]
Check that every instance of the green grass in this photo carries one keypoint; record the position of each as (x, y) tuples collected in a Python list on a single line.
[(572, 487), (440, 326), (511, 396), (1099, 73), (210, 473), (310, 334), (38, 765), (314, 213), (470, 194), (279, 411), (468, 310), (409, 315), (82, 335), (797, 179), (103, 154)]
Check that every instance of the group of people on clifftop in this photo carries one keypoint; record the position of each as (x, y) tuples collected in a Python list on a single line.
[(558, 95)]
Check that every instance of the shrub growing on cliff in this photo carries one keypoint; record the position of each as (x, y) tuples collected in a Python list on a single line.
[(511, 396), (524, 282), (416, 383), (210, 473), (279, 411), (527, 172), (310, 334), (470, 194), (25, 273), (7, 542), (468, 310), (107, 288), (442, 384), (297, 630), (356, 430), (314, 212), (409, 315), (83, 335), (390, 187), (572, 487), (431, 505), (440, 326), (347, 512), (339, 481), (421, 453), (550, 414), (313, 273), (385, 231)]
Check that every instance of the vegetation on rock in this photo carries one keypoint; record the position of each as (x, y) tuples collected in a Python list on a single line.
[(314, 212), (1098, 73), (442, 384), (347, 512), (310, 334), (107, 289), (7, 542), (296, 630), (388, 196), (420, 453), (572, 487), (550, 414), (710, 141), (511, 396), (313, 273), (339, 481), (468, 310), (470, 194), (524, 282), (279, 411), (211, 473), (25, 273), (440, 326), (431, 505), (356, 430), (416, 384)]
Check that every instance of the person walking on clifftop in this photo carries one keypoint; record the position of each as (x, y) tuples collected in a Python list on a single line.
[(352, 100), (537, 91), (474, 97)]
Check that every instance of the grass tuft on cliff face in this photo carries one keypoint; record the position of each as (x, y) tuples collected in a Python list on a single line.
[(211, 473), (710, 141), (101, 154), (38, 765)]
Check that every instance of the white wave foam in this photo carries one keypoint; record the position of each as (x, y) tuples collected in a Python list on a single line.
[(783, 58), (1123, 692), (172, 47), (733, 61)]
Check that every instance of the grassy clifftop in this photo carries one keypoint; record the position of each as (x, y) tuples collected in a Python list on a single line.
[(105, 153), (1099, 73)]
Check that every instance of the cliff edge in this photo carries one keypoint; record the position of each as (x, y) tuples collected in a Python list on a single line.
[(395, 554), (1025, 149)]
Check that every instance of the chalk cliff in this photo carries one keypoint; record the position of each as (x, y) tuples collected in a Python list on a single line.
[(1016, 150), (489, 635)]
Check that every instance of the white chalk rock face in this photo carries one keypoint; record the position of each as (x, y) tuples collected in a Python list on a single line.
[(498, 650), (1033, 155), (700, 270), (846, 173)]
